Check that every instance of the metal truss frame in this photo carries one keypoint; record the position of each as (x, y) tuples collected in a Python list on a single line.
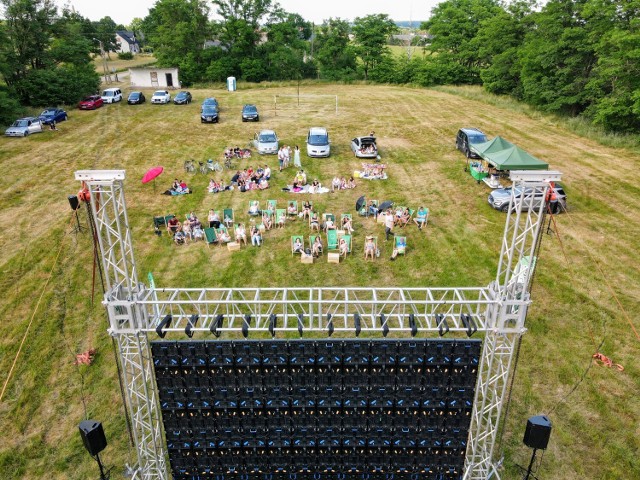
[(497, 311)]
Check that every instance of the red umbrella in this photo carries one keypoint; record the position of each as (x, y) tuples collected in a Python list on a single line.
[(151, 175)]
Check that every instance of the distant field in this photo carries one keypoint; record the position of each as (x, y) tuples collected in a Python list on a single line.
[(595, 430), (138, 60), (399, 51)]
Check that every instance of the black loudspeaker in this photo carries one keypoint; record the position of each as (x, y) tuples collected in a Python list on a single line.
[(74, 203), (537, 432), (93, 436)]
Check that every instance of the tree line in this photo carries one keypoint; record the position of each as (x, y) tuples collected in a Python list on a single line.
[(573, 57)]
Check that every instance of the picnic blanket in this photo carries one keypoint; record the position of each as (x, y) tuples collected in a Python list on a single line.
[(305, 189)]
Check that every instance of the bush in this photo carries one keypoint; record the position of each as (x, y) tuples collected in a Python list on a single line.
[(63, 85), (10, 109), (125, 56)]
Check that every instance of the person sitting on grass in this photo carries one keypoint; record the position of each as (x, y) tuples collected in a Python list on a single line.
[(369, 248), (266, 221), (196, 229), (306, 209), (241, 234), (404, 218), (256, 237), (179, 238), (314, 222), (253, 208), (186, 230), (343, 247), (346, 225), (316, 248), (351, 183), (173, 225), (224, 236), (421, 218), (335, 183)]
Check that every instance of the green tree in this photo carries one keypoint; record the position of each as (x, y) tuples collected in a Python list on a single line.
[(333, 51), (106, 33), (29, 29), (239, 29), (177, 31), (499, 40), (371, 35), (454, 26), (558, 59), (614, 84)]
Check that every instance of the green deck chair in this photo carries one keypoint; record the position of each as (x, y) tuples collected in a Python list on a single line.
[(400, 244), (210, 236), (332, 240), (281, 216), (293, 241), (312, 239), (227, 217)]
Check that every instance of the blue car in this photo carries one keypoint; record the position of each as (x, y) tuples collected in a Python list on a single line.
[(209, 114), (53, 114)]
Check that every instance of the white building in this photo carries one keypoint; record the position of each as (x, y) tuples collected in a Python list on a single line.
[(127, 42), (154, 77)]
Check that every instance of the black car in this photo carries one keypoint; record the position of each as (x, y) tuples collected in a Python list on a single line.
[(250, 113), (467, 137), (135, 98), (209, 114), (182, 98)]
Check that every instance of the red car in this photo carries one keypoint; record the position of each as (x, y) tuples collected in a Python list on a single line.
[(91, 102)]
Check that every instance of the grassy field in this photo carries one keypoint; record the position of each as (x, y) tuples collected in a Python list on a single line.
[(139, 60), (47, 272), (401, 51)]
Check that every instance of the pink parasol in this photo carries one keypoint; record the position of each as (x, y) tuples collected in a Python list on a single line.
[(151, 175)]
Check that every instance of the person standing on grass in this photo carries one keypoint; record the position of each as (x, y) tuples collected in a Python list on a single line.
[(296, 157), (388, 224)]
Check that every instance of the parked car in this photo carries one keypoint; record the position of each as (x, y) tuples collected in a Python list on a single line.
[(209, 114), (91, 102), (364, 147), (112, 95), (210, 101), (136, 98), (266, 142), (182, 98), (23, 127), (52, 115), (467, 137), (499, 198), (161, 97), (318, 143), (250, 113)]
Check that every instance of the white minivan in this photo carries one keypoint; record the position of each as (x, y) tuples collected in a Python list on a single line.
[(318, 144), (111, 95)]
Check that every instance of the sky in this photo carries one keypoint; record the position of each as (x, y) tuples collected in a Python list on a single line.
[(122, 11)]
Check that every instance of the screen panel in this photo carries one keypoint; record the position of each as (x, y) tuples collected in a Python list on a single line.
[(296, 409)]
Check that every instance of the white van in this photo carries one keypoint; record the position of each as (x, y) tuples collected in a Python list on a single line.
[(318, 144), (111, 95)]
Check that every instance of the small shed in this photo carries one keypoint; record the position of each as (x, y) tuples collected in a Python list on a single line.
[(154, 77)]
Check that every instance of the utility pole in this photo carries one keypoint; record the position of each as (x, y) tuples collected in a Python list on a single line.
[(103, 54)]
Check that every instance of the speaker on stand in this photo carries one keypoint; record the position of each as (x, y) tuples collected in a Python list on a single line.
[(74, 203), (536, 436), (94, 440)]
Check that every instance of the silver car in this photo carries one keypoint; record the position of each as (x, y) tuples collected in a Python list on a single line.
[(266, 142), (23, 127), (500, 198), (364, 147)]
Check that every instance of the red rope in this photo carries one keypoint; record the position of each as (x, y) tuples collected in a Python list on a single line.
[(604, 361)]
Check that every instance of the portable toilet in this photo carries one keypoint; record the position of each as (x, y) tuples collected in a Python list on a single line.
[(231, 84)]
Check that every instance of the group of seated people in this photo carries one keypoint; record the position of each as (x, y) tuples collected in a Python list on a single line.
[(190, 229), (300, 179), (215, 187), (342, 183), (178, 187), (368, 148), (250, 179), (236, 152), (373, 171)]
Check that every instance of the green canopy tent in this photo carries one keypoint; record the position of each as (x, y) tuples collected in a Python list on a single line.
[(514, 158), (494, 145)]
